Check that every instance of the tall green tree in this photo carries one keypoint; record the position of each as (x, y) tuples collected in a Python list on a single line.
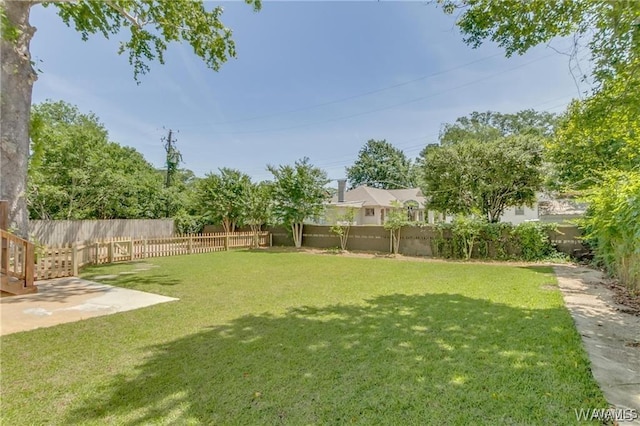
[(258, 207), (151, 24), (76, 173), (598, 137), (595, 136), (476, 174), (223, 197), (490, 125), (381, 165), (298, 194)]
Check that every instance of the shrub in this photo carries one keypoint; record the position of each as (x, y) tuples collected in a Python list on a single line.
[(186, 223), (532, 240), (469, 237), (612, 226)]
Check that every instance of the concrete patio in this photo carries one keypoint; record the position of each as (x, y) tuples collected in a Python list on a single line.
[(71, 299)]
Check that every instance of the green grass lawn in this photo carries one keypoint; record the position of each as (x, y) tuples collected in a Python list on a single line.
[(268, 338)]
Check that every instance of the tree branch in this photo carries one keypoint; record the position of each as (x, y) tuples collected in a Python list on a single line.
[(135, 21)]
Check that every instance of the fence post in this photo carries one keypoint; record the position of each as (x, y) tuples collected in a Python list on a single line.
[(270, 239), (226, 241), (97, 248), (74, 260), (190, 243), (131, 249), (110, 251), (144, 248)]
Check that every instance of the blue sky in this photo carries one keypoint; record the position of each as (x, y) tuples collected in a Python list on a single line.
[(315, 79)]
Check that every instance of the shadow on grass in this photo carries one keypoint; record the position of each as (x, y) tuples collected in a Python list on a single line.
[(398, 359), (143, 282)]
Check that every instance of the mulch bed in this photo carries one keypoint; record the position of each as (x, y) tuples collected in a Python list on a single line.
[(629, 299)]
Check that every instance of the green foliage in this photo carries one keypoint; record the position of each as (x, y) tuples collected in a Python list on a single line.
[(489, 126), (172, 160), (342, 226), (76, 173), (610, 27), (222, 198), (476, 174), (613, 225), (186, 223), (298, 194), (597, 143), (152, 24), (596, 135), (532, 240), (258, 207), (467, 229), (381, 165), (472, 237), (8, 31)]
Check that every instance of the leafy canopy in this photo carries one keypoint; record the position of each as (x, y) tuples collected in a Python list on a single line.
[(599, 134), (152, 24), (381, 165), (482, 168), (298, 191), (223, 197), (76, 173), (258, 205), (610, 27), (488, 126)]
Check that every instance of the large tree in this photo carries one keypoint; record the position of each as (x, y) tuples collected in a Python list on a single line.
[(483, 166), (76, 173), (597, 143), (381, 165), (223, 198), (490, 125), (595, 136), (151, 24), (298, 194)]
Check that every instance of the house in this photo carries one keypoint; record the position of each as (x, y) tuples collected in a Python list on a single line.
[(372, 205)]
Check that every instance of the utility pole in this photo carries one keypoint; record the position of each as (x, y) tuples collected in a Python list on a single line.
[(173, 160)]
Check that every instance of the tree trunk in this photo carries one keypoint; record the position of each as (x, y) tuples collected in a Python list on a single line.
[(297, 234), (16, 82)]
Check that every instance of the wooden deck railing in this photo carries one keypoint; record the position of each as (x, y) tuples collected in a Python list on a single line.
[(16, 264)]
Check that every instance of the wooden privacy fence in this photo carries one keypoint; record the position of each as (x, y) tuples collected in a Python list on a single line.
[(59, 232), (65, 260)]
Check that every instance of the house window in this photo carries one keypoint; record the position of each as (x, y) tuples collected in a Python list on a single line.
[(369, 212), (520, 211)]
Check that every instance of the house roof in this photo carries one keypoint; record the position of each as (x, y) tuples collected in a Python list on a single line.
[(368, 196)]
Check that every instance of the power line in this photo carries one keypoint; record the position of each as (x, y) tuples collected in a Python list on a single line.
[(431, 138), (347, 98), (414, 100)]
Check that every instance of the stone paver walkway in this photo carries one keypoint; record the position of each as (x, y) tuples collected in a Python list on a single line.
[(610, 336)]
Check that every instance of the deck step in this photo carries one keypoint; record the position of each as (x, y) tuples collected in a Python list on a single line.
[(15, 286)]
